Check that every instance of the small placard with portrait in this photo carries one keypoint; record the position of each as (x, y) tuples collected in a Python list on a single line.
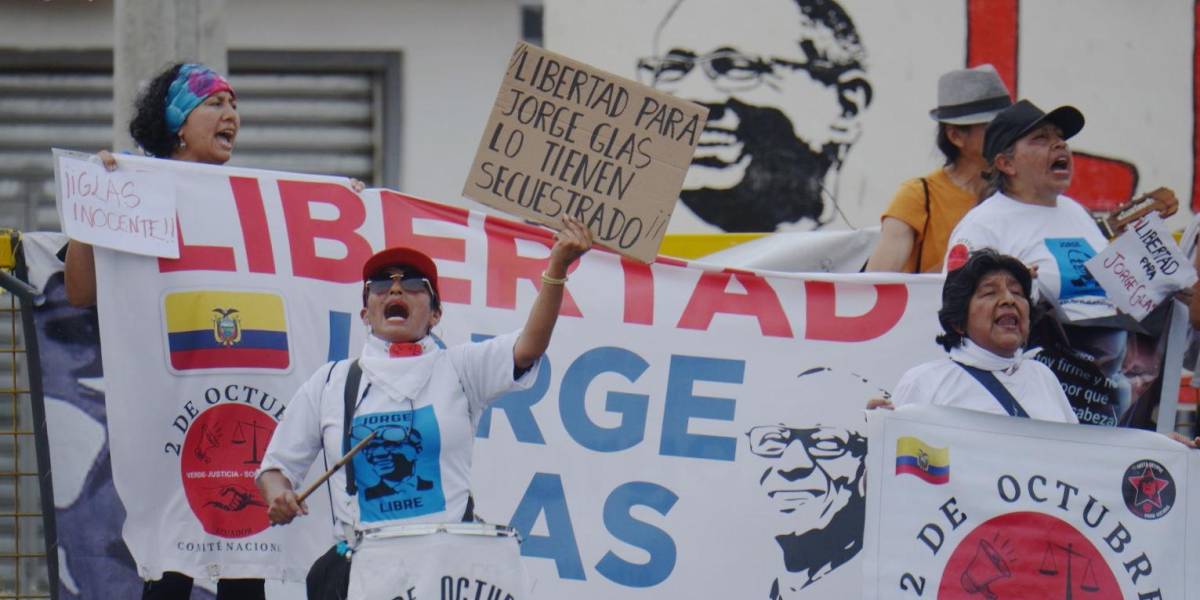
[(1142, 267)]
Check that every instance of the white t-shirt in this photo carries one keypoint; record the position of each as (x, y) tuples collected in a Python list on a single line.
[(1057, 239), (424, 411), (944, 383)]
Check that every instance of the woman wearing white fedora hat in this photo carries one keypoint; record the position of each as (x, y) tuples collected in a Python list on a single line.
[(916, 225)]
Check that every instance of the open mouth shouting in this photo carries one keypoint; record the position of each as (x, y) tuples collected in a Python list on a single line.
[(396, 311), (225, 138), (1009, 321), (1060, 166)]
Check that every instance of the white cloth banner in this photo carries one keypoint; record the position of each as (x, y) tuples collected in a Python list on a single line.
[(963, 504), (438, 565), (694, 432)]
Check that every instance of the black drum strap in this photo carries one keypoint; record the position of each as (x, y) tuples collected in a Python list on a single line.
[(350, 395)]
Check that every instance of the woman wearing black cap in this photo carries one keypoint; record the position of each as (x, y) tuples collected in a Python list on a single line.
[(1026, 214), (417, 404), (1029, 218)]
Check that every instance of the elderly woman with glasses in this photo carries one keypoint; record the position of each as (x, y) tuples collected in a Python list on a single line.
[(418, 405)]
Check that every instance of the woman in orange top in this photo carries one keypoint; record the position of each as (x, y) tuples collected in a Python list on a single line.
[(916, 226)]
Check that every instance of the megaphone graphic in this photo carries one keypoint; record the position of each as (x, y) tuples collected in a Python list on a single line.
[(986, 567)]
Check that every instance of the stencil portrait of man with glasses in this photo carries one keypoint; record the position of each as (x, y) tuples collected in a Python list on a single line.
[(784, 83), (812, 472)]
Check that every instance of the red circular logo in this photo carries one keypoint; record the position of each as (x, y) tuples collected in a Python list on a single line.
[(223, 448), (959, 253), (1148, 489), (1027, 555)]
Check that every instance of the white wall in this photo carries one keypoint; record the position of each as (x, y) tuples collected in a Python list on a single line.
[(1126, 65), (454, 57)]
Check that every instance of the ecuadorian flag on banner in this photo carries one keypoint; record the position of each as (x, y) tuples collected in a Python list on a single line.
[(215, 329), (930, 464)]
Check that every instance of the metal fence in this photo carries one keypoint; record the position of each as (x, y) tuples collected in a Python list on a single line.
[(24, 568)]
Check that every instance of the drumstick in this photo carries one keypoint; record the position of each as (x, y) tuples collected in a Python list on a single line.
[(337, 465)]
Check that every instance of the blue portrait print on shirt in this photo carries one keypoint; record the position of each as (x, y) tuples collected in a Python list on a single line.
[(1074, 278), (398, 472)]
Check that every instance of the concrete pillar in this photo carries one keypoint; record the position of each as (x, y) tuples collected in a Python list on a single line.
[(149, 35)]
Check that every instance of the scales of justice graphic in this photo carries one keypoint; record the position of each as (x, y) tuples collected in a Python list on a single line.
[(239, 438), (989, 566), (1049, 568)]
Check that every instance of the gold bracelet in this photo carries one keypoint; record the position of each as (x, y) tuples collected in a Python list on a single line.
[(548, 280)]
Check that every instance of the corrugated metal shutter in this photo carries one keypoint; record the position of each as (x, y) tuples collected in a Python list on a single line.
[(303, 112), (308, 123), (38, 111)]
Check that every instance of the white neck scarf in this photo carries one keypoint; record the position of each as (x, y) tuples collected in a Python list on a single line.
[(398, 377), (974, 355)]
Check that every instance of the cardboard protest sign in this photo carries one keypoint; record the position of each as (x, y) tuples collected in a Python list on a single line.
[(1142, 267), (131, 211), (565, 138)]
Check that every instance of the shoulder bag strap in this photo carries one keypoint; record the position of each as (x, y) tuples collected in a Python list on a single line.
[(924, 228), (350, 395), (1001, 393)]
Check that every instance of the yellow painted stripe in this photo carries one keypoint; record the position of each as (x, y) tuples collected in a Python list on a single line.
[(191, 311), (911, 446), (696, 245), (8, 241)]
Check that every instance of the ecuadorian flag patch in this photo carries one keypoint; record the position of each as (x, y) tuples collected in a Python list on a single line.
[(215, 329), (927, 463)]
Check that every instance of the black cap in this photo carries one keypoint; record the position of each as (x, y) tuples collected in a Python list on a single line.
[(1019, 119)]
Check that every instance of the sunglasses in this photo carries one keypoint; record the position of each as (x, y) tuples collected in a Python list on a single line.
[(382, 283)]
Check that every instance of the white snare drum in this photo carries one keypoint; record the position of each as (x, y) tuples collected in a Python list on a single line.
[(450, 561), (481, 529)]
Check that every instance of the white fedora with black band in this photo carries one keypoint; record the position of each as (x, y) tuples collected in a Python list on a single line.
[(970, 96)]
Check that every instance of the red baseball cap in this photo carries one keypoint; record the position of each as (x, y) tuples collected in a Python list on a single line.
[(402, 257)]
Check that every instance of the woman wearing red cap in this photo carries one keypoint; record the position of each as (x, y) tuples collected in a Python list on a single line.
[(417, 402)]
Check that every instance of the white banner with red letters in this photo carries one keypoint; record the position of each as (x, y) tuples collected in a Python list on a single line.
[(694, 431), (971, 505)]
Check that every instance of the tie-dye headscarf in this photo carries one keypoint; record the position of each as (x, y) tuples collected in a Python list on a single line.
[(193, 84)]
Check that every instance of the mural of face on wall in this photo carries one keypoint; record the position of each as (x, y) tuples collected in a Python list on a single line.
[(784, 83), (812, 473)]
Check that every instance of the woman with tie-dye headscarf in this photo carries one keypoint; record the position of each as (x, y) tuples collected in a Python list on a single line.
[(188, 112)]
